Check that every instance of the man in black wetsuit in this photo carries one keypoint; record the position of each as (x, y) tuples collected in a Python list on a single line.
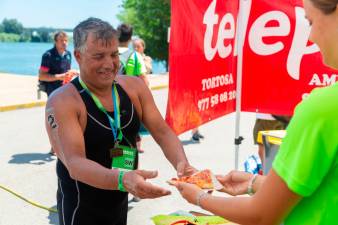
[(92, 124)]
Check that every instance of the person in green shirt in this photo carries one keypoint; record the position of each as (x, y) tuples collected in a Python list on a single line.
[(135, 66), (302, 186)]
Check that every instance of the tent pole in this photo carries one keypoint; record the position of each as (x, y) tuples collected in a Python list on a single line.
[(242, 21)]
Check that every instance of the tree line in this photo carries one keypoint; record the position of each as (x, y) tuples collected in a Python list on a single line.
[(150, 20), (11, 30)]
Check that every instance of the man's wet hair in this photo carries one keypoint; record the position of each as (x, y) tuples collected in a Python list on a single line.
[(100, 29)]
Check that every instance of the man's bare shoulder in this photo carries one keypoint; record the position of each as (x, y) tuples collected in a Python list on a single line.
[(131, 83), (65, 96), (128, 79)]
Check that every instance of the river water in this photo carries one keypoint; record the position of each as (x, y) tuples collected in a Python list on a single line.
[(25, 58)]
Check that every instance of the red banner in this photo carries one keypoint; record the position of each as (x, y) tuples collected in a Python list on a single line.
[(202, 64), (280, 66)]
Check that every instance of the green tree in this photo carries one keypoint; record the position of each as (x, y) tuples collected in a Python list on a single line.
[(12, 26), (44, 35), (25, 36), (5, 37), (150, 20)]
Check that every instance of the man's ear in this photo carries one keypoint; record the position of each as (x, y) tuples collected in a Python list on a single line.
[(77, 55)]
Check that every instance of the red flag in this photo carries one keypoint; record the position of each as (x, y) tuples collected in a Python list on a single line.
[(202, 66), (280, 66)]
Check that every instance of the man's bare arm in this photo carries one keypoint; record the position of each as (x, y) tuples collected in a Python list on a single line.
[(162, 133), (66, 135), (45, 76), (269, 206)]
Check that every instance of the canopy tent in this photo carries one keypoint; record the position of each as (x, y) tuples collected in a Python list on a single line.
[(231, 56)]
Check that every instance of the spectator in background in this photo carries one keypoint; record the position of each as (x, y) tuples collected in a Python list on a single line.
[(267, 122), (125, 33), (139, 46), (131, 62), (55, 64), (196, 135)]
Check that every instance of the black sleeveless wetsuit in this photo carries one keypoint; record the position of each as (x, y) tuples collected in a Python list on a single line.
[(79, 203)]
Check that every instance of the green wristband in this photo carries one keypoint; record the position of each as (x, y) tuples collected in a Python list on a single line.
[(120, 182)]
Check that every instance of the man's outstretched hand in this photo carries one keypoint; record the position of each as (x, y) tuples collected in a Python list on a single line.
[(135, 183)]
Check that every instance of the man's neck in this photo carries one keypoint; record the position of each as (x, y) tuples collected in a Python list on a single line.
[(124, 44), (102, 91), (60, 51)]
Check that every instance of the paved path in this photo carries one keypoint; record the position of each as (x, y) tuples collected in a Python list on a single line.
[(27, 169)]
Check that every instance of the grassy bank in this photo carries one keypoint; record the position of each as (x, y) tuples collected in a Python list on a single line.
[(5, 37)]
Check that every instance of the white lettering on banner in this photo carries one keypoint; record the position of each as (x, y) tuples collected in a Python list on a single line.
[(210, 19), (259, 30), (217, 81), (325, 80), (203, 104), (215, 99), (299, 44), (223, 34)]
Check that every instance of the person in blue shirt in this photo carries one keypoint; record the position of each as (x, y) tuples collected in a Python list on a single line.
[(55, 64)]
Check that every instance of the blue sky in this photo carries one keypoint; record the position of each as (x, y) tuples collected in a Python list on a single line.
[(59, 13)]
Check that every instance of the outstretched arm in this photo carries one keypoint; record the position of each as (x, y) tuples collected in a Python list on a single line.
[(66, 136), (272, 202), (163, 134), (237, 182), (45, 76)]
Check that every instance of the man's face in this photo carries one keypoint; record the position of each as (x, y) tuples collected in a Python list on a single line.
[(323, 31), (61, 43), (99, 63)]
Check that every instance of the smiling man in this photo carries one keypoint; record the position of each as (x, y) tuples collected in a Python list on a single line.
[(92, 124)]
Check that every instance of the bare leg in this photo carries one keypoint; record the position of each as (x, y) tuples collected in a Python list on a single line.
[(261, 153)]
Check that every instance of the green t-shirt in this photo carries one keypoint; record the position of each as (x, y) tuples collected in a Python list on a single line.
[(135, 65), (307, 159)]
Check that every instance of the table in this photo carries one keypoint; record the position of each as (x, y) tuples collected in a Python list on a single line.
[(271, 140)]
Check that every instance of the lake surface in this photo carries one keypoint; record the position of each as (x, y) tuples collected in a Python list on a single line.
[(25, 58)]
